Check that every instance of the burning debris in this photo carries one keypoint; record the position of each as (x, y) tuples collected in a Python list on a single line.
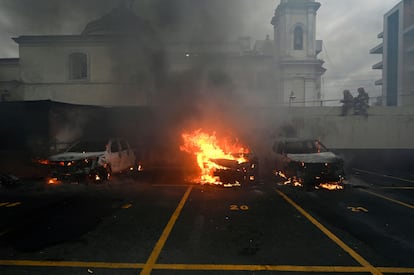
[(299, 182), (330, 186), (294, 181), (220, 162), (53, 181), (308, 163)]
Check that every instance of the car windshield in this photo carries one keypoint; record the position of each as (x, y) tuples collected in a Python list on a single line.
[(88, 146), (305, 147)]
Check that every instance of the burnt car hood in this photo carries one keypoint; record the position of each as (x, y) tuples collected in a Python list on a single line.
[(226, 163), (325, 157), (68, 156)]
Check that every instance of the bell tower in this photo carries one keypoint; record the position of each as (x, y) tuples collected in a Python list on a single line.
[(296, 50)]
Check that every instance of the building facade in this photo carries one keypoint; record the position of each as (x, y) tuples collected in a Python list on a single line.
[(119, 60), (296, 51), (397, 50)]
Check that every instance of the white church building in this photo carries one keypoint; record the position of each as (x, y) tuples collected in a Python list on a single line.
[(119, 60)]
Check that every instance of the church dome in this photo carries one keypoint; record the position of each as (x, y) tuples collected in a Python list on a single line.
[(120, 21)]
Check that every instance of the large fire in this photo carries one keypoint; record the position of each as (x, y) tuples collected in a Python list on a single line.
[(207, 148)]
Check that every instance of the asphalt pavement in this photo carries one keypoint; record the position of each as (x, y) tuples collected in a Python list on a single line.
[(168, 226)]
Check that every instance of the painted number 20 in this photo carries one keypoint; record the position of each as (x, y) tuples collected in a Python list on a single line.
[(235, 207)]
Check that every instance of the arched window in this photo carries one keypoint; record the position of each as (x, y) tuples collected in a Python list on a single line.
[(78, 66), (298, 38)]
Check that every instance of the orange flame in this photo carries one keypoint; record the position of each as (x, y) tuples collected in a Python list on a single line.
[(43, 161), (53, 181), (208, 148), (331, 186)]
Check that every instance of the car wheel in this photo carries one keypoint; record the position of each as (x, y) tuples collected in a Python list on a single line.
[(107, 174), (101, 175), (136, 170)]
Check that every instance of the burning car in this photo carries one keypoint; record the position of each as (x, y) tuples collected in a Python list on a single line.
[(217, 161), (92, 160), (241, 170), (308, 163)]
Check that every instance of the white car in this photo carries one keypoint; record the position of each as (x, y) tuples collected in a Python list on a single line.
[(92, 159), (307, 162)]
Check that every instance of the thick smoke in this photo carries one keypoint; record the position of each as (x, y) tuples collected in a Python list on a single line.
[(181, 19), (43, 17), (203, 96)]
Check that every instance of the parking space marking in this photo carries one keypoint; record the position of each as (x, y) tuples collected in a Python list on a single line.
[(385, 176), (70, 264), (151, 264), (288, 268), (235, 207), (332, 236), (14, 204), (357, 209), (394, 270), (206, 267), (389, 199), (10, 204), (126, 206), (164, 236)]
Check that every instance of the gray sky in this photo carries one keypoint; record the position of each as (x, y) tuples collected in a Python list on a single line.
[(348, 28)]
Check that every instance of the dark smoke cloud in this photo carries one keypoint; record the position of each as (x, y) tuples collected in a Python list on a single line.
[(53, 17), (202, 97), (215, 19)]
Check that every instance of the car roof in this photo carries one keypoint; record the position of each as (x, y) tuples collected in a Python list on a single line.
[(98, 139), (287, 140)]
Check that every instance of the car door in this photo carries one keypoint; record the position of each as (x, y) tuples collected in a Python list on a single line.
[(126, 157), (115, 156)]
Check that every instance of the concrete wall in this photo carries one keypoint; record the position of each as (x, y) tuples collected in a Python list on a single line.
[(384, 128), (383, 141), (9, 72)]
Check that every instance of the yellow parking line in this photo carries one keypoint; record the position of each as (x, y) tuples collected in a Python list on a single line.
[(206, 267), (395, 270), (70, 264), (389, 199), (332, 236), (288, 268), (13, 204), (167, 230), (126, 206)]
